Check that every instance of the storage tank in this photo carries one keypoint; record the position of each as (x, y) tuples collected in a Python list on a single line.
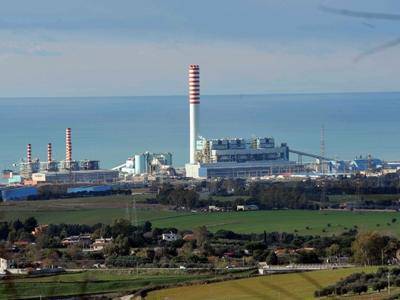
[(140, 164)]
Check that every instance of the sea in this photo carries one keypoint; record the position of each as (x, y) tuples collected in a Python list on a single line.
[(111, 129)]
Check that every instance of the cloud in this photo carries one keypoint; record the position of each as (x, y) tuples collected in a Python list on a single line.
[(26, 49), (94, 68)]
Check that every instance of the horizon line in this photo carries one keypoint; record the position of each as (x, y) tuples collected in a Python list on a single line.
[(207, 95)]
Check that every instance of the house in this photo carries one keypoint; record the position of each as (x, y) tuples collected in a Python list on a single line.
[(99, 244), (83, 240), (214, 208), (170, 237), (3, 265), (246, 207)]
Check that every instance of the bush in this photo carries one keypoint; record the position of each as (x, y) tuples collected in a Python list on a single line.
[(359, 288), (379, 285)]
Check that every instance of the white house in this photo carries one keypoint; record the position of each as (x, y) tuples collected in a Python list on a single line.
[(170, 237), (99, 244), (3, 265), (246, 207)]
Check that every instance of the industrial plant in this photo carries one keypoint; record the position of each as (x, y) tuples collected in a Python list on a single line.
[(147, 163), (65, 171), (258, 156), (231, 157)]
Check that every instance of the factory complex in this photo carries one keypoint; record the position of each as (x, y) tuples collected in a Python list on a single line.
[(237, 157), (232, 157), (68, 171), (240, 158)]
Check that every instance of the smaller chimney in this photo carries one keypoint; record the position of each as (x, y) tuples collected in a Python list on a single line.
[(29, 153), (68, 145), (49, 156)]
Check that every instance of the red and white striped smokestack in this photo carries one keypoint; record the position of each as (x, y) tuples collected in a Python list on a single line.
[(49, 154), (68, 145), (29, 153), (194, 102)]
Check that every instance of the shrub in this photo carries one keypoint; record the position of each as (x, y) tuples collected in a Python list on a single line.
[(359, 288), (379, 285)]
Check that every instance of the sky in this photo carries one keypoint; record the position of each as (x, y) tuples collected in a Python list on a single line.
[(128, 47)]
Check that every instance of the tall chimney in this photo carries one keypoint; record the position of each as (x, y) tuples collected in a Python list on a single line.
[(194, 102), (68, 145), (29, 153), (49, 156)]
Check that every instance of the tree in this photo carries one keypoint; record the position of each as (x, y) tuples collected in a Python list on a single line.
[(307, 257), (147, 226), (30, 224), (359, 288), (367, 248), (379, 285), (120, 246), (4, 230), (272, 259), (201, 235), (17, 225), (122, 227)]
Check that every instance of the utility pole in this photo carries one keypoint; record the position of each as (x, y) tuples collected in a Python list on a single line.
[(134, 211)]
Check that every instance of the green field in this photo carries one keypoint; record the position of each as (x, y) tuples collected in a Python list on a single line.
[(87, 216), (86, 283), (107, 209), (295, 286), (288, 221)]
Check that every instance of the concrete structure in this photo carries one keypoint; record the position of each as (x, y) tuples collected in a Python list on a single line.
[(147, 163), (83, 240), (234, 158), (99, 244), (83, 176), (29, 166), (68, 145), (214, 208), (3, 266), (366, 164), (170, 237), (231, 157), (194, 102), (15, 179), (66, 171)]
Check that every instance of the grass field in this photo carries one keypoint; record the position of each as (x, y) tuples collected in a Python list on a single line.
[(355, 198), (295, 286), (107, 209), (86, 283)]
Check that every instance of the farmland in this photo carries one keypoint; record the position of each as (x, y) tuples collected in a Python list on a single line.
[(284, 286), (107, 209), (89, 282)]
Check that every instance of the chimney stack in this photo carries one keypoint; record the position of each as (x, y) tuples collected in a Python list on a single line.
[(68, 145), (194, 102), (49, 154), (29, 153)]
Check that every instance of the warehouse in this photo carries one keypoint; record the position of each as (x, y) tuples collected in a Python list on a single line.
[(83, 176), (19, 194), (84, 190)]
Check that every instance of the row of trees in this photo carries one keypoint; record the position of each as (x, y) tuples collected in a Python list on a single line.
[(359, 283)]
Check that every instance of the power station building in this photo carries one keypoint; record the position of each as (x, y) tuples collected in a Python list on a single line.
[(147, 163), (65, 171), (232, 157)]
